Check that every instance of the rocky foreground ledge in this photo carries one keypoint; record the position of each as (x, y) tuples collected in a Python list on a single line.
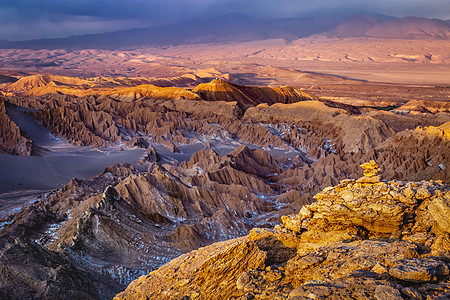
[(363, 239)]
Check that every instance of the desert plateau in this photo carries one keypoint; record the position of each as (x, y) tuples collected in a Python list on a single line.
[(225, 150)]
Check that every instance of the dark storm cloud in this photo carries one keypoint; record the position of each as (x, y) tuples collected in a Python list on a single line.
[(25, 19)]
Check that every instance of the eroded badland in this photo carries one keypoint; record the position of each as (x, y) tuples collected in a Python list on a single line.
[(228, 170)]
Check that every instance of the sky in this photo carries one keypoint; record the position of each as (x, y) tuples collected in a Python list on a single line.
[(32, 19)]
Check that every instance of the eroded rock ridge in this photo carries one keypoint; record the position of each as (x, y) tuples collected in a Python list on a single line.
[(363, 239)]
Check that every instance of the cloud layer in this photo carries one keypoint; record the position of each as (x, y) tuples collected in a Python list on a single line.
[(29, 19)]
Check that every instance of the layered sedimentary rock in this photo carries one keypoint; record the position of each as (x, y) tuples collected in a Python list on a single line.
[(365, 238), (154, 92), (247, 96)]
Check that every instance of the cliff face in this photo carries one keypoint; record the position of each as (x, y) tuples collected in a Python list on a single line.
[(80, 126), (365, 239), (12, 140)]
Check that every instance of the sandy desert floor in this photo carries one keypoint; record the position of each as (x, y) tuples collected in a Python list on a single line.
[(346, 70), (365, 59)]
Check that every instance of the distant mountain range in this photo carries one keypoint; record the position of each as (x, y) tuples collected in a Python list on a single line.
[(239, 28), (223, 29), (402, 28)]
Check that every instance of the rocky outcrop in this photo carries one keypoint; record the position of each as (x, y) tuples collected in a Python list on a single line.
[(137, 142), (32, 266), (12, 139), (204, 109), (31, 271), (124, 88), (354, 133), (81, 127), (149, 156), (246, 96), (362, 238), (171, 207), (28, 82), (171, 146), (317, 129), (144, 219), (430, 146), (251, 161), (154, 92), (421, 106), (370, 207)]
